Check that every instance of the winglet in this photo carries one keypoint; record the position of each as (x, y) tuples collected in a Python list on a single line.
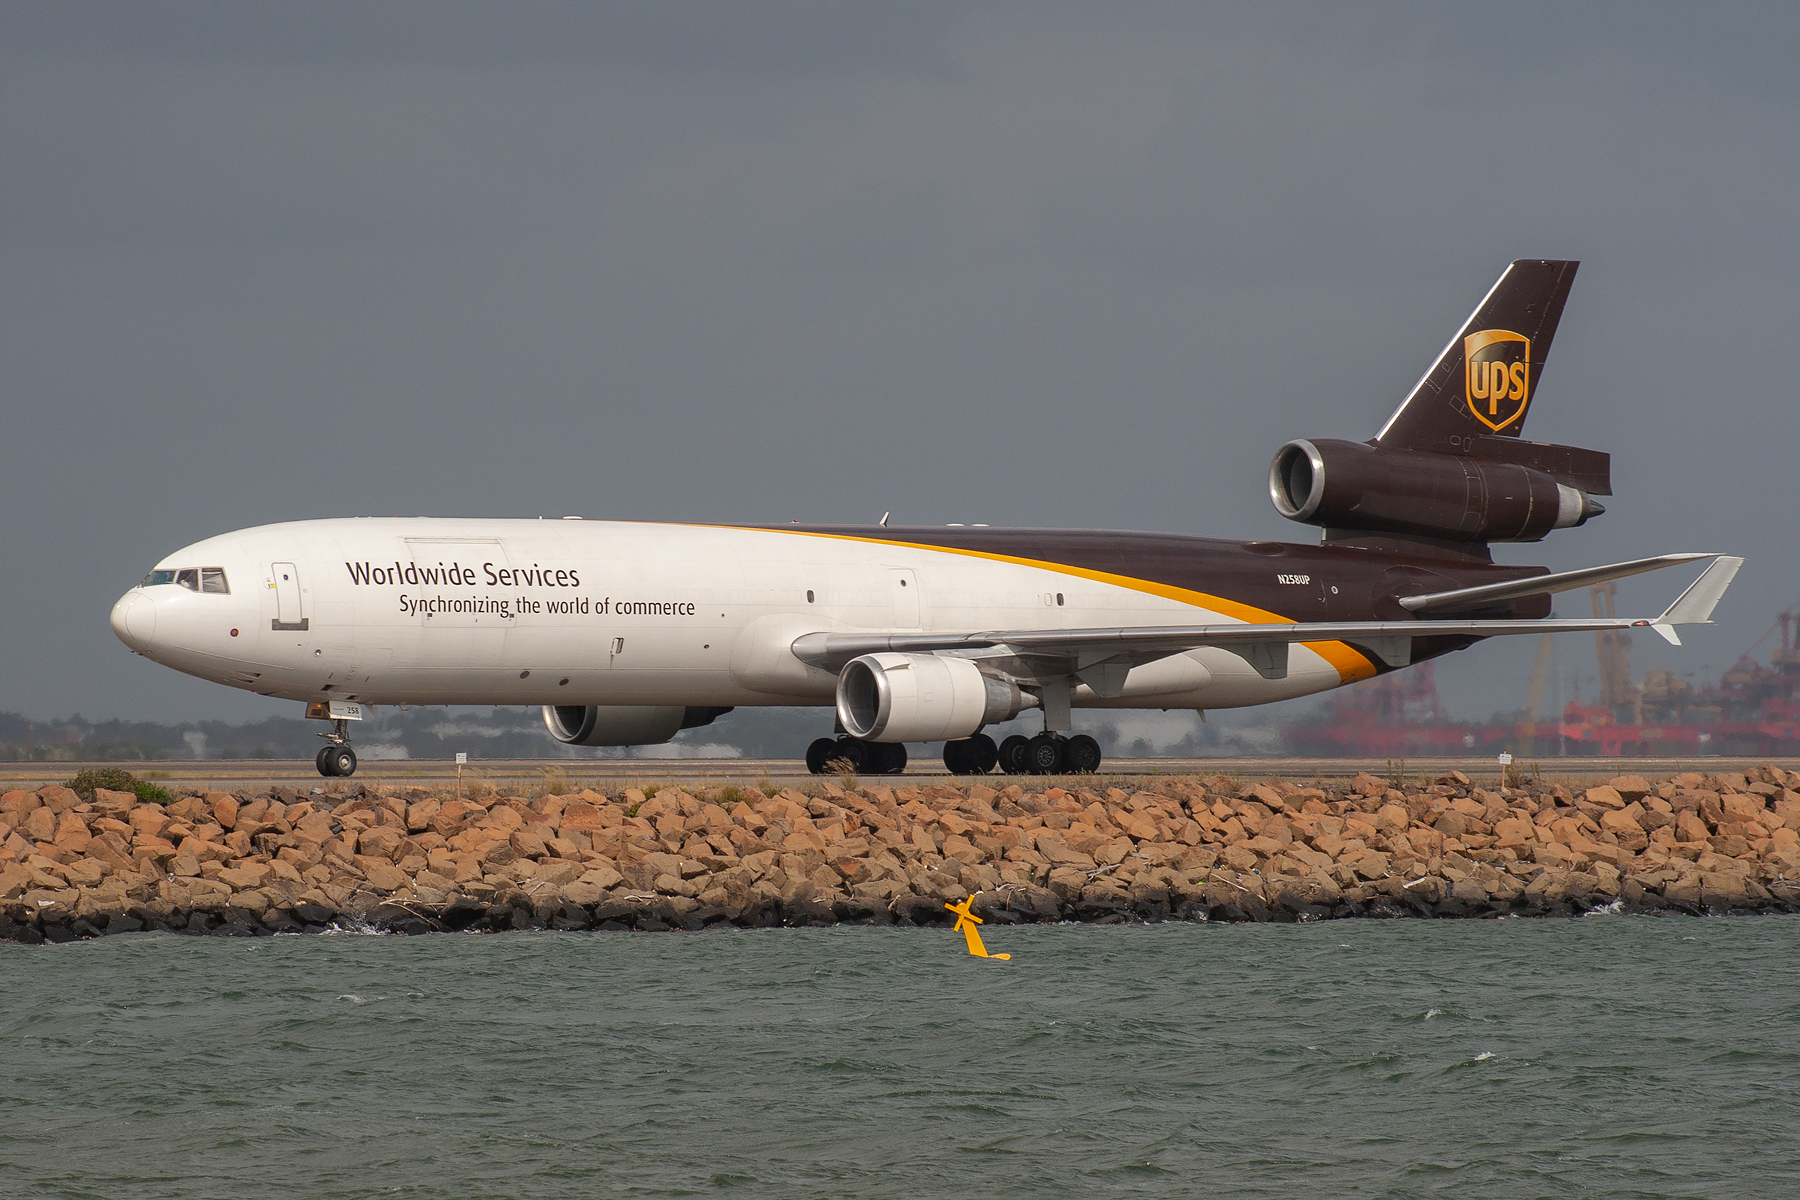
[(1695, 606)]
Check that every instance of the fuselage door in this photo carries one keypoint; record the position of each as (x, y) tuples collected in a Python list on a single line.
[(287, 598), (905, 586)]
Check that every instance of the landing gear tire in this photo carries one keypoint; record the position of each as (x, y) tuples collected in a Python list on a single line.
[(957, 759), (847, 750), (1012, 754), (1081, 755), (884, 758), (323, 761), (822, 751), (341, 760), (1044, 755), (971, 756)]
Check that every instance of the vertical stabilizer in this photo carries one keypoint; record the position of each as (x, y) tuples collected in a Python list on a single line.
[(1482, 384)]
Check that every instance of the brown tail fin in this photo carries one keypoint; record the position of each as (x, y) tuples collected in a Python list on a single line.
[(1482, 385)]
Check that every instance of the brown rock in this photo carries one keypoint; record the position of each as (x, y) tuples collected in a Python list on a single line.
[(1468, 891), (1685, 889), (242, 878), (1513, 833), (72, 834), (19, 802), (1262, 793), (451, 818), (499, 821), (1631, 787), (381, 841), (418, 816), (314, 827), (1452, 824), (84, 872), (582, 816), (1605, 797), (1600, 851), (381, 873), (1741, 807), (1620, 821), (113, 803), (39, 825), (58, 799), (601, 876), (585, 894), (560, 871), (149, 820), (1236, 857), (527, 844), (1370, 865), (1690, 828), (224, 808)]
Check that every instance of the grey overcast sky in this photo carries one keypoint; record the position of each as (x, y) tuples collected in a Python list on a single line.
[(1031, 264)]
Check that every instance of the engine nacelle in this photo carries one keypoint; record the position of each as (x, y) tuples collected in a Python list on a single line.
[(893, 697), (1361, 487), (623, 724)]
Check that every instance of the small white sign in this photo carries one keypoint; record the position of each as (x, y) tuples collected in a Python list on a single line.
[(1506, 758), (461, 758), (343, 710)]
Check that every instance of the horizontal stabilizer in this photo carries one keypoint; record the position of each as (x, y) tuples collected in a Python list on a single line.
[(1589, 470), (1695, 606), (1540, 585)]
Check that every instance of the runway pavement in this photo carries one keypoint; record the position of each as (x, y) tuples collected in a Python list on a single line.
[(538, 775)]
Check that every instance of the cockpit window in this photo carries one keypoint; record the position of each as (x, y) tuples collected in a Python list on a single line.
[(210, 580)]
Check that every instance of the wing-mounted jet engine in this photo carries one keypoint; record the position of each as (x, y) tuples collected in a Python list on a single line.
[(1450, 467), (624, 724)]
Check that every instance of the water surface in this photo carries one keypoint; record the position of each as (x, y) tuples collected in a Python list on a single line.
[(1603, 1056)]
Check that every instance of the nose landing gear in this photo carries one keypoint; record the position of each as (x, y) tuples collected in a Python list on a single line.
[(337, 759)]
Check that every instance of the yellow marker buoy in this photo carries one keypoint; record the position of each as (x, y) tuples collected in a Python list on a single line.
[(967, 921)]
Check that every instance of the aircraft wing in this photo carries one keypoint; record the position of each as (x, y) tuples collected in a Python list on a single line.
[(1107, 654)]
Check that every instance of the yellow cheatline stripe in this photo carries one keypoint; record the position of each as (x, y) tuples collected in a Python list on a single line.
[(1350, 664)]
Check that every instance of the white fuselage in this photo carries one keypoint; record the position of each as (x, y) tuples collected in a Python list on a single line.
[(577, 612)]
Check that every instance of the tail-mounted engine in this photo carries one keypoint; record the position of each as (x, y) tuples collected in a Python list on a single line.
[(1451, 465), (1361, 487)]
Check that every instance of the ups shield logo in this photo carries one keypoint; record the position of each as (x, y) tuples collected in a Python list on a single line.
[(1497, 376)]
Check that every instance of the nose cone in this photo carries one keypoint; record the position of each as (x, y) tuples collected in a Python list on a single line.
[(134, 619)]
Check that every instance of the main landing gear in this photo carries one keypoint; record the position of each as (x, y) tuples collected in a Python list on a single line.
[(1045, 754), (337, 759), (1050, 754), (864, 758), (976, 755)]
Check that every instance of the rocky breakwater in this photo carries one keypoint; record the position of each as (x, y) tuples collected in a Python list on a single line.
[(1175, 848)]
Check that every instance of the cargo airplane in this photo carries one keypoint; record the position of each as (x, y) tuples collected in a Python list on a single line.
[(626, 632)]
